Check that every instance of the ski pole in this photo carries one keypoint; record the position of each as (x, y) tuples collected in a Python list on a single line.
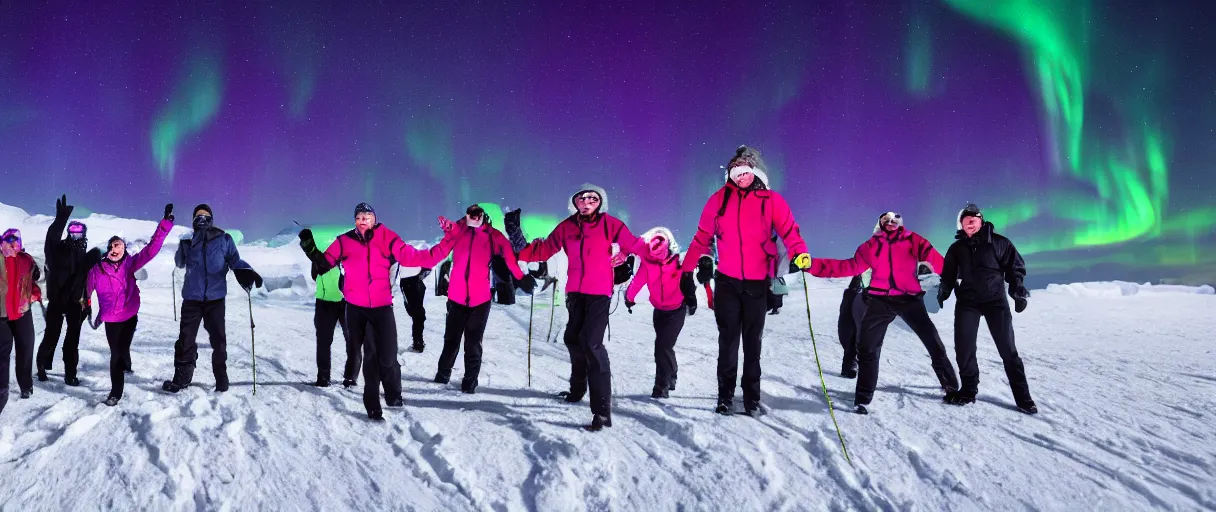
[(552, 307), (807, 293), (253, 343), (174, 289), (531, 303)]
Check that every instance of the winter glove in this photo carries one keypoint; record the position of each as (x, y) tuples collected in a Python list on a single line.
[(307, 242), (169, 213), (942, 295), (621, 273), (705, 269), (629, 306), (541, 271), (88, 311), (515, 232), (802, 261), (62, 209), (690, 292), (247, 278), (527, 284), (1019, 305)]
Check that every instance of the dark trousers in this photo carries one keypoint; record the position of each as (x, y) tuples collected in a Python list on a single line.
[(589, 364), (376, 329), (56, 313), (413, 290), (18, 332), (667, 327), (880, 312), (18, 336), (1000, 324), (470, 323), (119, 336), (848, 325), (326, 318), (739, 309), (185, 352)]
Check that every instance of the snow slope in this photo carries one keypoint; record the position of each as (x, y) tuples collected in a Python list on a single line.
[(1124, 382)]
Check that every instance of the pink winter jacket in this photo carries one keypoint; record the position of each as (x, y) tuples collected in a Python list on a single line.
[(894, 258), (471, 250), (743, 227), (663, 279), (114, 282), (366, 260), (588, 245)]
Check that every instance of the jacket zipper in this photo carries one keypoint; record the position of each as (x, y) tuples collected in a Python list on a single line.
[(739, 227), (468, 269), (206, 271), (891, 267), (367, 244)]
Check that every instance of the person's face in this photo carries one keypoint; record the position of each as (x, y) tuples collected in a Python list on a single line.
[(972, 224), (658, 248), (587, 203), (117, 250), (474, 219), (744, 180), (890, 223), (10, 245), (364, 221)]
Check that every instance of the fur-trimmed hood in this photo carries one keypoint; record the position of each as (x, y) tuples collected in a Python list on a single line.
[(588, 187), (672, 244), (750, 158)]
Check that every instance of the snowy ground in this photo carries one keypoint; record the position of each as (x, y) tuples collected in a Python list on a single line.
[(1123, 376)]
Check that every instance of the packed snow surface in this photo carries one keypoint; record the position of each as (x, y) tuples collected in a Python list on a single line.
[(1124, 376)]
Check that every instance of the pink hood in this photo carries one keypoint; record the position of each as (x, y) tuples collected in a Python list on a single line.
[(114, 282), (894, 258), (663, 280), (366, 260), (472, 249), (742, 222)]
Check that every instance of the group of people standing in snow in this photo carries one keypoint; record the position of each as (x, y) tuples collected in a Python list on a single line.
[(741, 223)]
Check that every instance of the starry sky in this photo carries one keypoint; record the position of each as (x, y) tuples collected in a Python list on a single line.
[(1086, 130)]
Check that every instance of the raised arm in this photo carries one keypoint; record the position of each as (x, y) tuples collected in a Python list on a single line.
[(158, 240), (827, 267)]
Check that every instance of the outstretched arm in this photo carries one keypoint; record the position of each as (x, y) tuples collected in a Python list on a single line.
[(827, 267), (158, 240), (542, 249)]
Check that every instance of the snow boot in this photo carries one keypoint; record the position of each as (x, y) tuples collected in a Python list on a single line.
[(660, 392), (322, 381), (861, 409), (375, 415), (598, 423), (172, 387), (349, 383), (71, 381), (1028, 407), (25, 393), (723, 408), (442, 377), (571, 397), (111, 401), (395, 402), (849, 370), (42, 375), (751, 408), (959, 398), (468, 386)]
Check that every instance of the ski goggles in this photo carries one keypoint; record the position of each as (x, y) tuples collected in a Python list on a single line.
[(11, 238), (588, 197), (889, 219)]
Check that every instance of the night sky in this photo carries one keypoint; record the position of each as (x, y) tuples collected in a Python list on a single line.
[(1086, 131)]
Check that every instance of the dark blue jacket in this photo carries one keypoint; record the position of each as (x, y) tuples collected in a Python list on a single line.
[(207, 257)]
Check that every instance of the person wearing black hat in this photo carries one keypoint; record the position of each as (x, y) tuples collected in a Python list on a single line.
[(978, 266), (67, 267), (207, 255)]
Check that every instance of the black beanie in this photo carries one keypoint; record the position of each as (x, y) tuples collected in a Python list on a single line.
[(205, 207), (364, 208)]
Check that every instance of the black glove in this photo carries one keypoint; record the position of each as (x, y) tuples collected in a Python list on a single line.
[(1019, 305), (169, 213), (247, 278), (793, 268), (941, 298), (705, 269), (307, 242), (629, 306), (515, 234), (623, 272), (541, 272), (690, 292), (316, 271), (62, 209), (88, 311), (527, 284)]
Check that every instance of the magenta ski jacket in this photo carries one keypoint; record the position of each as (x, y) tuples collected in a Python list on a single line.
[(894, 258), (471, 250), (366, 260), (114, 281), (742, 223), (663, 280), (588, 245)]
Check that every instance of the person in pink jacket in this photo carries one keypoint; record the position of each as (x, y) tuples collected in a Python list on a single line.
[(669, 287), (113, 278), (587, 236), (894, 254), (473, 243), (741, 218), (366, 253)]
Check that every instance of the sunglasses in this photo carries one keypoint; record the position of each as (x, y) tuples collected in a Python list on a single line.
[(888, 220), (75, 235), (589, 198), (202, 216)]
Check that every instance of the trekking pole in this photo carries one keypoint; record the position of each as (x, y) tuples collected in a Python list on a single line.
[(253, 343), (552, 307), (174, 289), (531, 304), (807, 293)]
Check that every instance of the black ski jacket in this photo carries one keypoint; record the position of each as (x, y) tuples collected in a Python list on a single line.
[(979, 267), (67, 267)]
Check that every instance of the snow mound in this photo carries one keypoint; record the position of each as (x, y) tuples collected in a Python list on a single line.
[(1124, 288)]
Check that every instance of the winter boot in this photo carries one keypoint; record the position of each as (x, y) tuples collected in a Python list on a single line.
[(660, 392), (1028, 407), (42, 374), (395, 402), (111, 401), (598, 423), (751, 408), (959, 398), (442, 377), (571, 396), (25, 393), (173, 387), (468, 386), (375, 415), (71, 381), (861, 409), (723, 408), (848, 370), (349, 383), (322, 381)]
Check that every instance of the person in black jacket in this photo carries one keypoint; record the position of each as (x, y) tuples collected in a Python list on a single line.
[(413, 291), (978, 266), (66, 272), (848, 325)]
